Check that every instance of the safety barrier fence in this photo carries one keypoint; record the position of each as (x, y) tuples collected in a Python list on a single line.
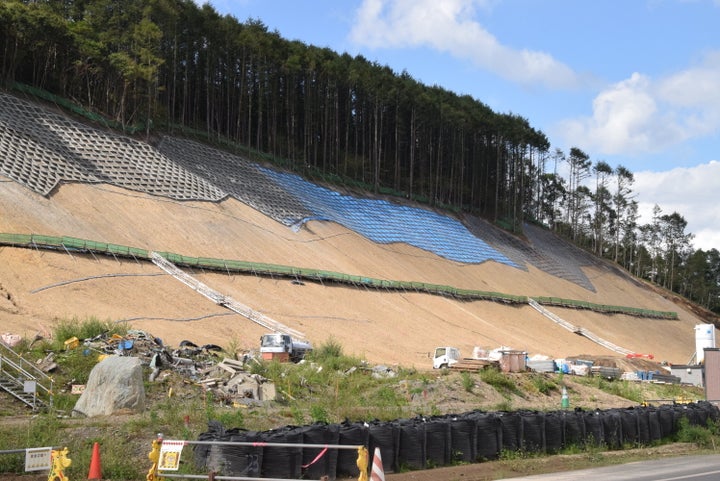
[(52, 459), (166, 454), (69, 244), (426, 442)]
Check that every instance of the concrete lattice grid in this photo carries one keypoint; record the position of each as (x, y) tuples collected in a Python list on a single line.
[(239, 177), (543, 250), (40, 149)]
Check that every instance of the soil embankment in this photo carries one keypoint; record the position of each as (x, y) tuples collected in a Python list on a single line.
[(40, 287)]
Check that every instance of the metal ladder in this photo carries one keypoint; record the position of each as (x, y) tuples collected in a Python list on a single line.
[(17, 374), (222, 300), (578, 330)]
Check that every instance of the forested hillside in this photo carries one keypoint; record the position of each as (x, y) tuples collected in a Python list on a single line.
[(173, 66)]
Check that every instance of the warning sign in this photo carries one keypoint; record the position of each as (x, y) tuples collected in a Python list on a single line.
[(37, 459), (170, 455)]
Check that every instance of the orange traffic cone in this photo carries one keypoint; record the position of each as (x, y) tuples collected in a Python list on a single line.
[(95, 468), (377, 473)]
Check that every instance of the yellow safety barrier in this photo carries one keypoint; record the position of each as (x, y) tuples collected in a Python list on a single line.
[(154, 456), (362, 463)]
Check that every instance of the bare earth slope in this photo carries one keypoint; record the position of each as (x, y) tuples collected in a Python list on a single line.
[(39, 287)]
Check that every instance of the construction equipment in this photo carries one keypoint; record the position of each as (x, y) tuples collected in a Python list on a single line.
[(283, 347)]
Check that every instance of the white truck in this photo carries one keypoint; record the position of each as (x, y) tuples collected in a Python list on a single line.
[(283, 348), (445, 357)]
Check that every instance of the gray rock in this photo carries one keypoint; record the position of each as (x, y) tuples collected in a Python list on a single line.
[(115, 386)]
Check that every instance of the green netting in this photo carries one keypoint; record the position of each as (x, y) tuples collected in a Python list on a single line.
[(257, 268), (16, 239), (633, 311)]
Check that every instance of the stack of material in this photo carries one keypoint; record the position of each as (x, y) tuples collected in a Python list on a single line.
[(606, 372), (472, 365)]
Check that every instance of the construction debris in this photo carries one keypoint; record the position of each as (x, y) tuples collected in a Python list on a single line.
[(229, 380)]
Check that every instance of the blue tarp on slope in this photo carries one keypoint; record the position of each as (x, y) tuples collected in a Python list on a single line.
[(384, 222)]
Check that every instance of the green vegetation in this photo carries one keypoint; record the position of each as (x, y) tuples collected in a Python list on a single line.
[(468, 381), (616, 387), (543, 383), (502, 383), (704, 437), (85, 329)]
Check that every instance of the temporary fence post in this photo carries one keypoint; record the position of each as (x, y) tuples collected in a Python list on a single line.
[(154, 456), (362, 463)]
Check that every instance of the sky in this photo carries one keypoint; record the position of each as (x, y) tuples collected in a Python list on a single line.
[(634, 83)]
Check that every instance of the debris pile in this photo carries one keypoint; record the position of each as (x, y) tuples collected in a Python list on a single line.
[(232, 384), (229, 380)]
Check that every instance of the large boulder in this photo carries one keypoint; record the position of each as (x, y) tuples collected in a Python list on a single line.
[(115, 386)]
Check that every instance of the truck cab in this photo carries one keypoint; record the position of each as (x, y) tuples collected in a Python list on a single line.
[(275, 346), (445, 357), (283, 348)]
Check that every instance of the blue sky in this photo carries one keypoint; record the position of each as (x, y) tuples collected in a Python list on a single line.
[(630, 82)]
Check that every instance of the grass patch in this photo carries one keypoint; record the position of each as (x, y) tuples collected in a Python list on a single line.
[(620, 388), (502, 383), (85, 329), (468, 381), (702, 436)]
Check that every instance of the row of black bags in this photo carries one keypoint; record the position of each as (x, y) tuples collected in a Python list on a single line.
[(425, 442)]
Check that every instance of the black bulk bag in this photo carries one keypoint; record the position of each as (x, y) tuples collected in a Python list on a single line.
[(201, 452), (282, 462), (574, 428), (654, 424), (488, 436), (594, 428), (437, 441), (554, 432), (385, 436), (242, 460), (533, 431), (511, 431), (462, 439), (612, 428), (356, 434), (629, 422), (318, 462), (411, 449)]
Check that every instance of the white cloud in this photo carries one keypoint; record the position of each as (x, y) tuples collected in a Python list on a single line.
[(641, 114), (695, 91), (692, 192), (449, 26)]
